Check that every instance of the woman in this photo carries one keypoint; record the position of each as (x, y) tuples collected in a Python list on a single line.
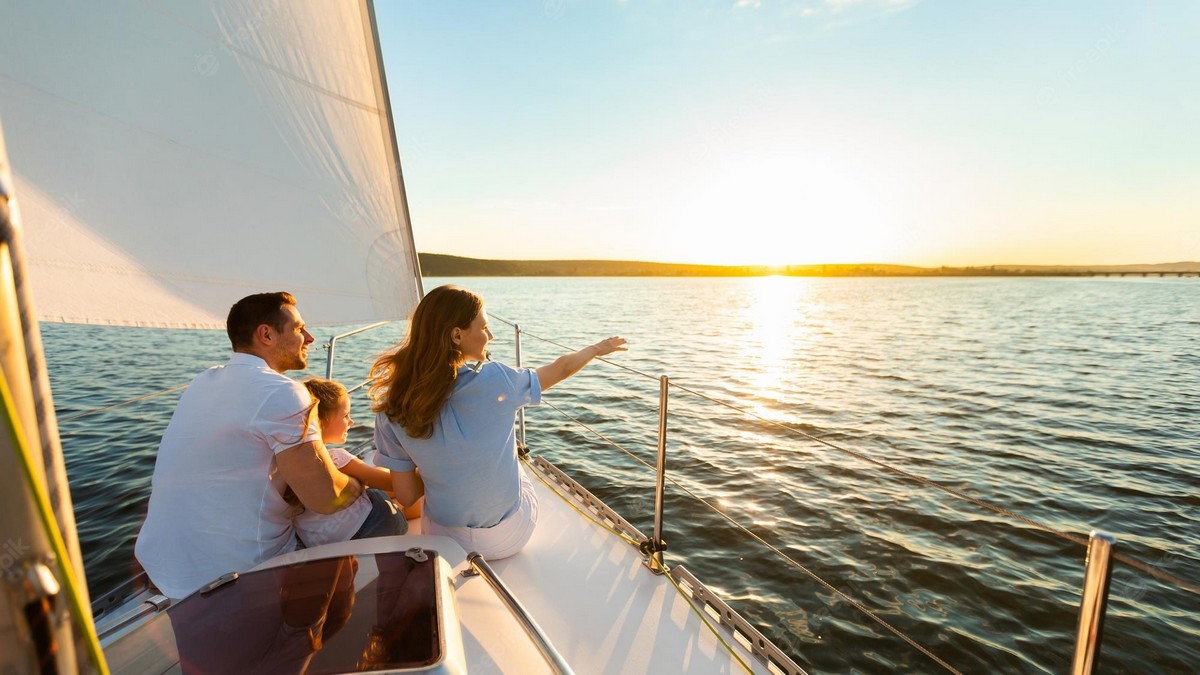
[(446, 431)]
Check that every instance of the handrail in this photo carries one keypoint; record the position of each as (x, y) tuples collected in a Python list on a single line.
[(153, 604), (332, 344), (555, 660)]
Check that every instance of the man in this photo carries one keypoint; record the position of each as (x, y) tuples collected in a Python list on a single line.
[(240, 436)]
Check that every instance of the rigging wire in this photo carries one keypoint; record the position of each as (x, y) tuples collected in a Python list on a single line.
[(144, 397), (122, 403), (599, 435), (1139, 565), (813, 575)]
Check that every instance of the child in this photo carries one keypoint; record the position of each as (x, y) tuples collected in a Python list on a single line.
[(332, 403)]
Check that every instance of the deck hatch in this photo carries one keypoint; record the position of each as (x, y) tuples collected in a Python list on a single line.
[(332, 615)]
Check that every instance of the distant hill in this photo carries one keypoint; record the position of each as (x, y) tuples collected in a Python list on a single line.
[(440, 265)]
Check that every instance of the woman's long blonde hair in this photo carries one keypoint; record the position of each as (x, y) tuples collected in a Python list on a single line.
[(411, 383)]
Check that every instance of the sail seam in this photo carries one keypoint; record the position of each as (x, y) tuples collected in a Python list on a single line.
[(228, 45)]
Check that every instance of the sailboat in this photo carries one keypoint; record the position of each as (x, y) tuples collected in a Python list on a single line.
[(168, 158)]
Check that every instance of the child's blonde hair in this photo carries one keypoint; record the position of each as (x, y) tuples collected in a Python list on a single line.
[(327, 394)]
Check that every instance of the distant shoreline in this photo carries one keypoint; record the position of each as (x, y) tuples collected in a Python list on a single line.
[(440, 265)]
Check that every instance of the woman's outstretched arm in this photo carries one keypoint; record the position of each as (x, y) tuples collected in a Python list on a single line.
[(569, 364)]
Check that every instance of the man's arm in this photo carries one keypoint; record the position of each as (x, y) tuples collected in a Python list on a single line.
[(569, 364), (309, 471)]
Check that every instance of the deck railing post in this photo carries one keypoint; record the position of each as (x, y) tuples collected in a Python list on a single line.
[(1092, 606), (329, 357), (332, 344), (656, 545), (521, 447)]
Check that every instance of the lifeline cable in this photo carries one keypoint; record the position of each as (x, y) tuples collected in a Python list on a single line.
[(144, 397), (774, 549), (1152, 571)]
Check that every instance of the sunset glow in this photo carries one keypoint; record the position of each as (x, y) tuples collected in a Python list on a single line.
[(800, 132)]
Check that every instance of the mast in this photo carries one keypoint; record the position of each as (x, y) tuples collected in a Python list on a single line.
[(42, 568)]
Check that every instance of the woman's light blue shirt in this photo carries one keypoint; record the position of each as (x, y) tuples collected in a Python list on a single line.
[(469, 464)]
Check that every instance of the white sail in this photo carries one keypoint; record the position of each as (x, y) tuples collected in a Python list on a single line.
[(172, 157)]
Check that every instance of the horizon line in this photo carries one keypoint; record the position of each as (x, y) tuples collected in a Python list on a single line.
[(769, 266)]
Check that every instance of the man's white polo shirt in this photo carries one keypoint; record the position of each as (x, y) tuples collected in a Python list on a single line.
[(216, 501)]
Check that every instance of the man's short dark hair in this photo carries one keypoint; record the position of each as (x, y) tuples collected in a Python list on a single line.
[(253, 311)]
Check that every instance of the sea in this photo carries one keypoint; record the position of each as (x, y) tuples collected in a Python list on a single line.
[(925, 446)]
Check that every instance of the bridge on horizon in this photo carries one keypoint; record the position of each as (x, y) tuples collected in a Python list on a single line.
[(1135, 274)]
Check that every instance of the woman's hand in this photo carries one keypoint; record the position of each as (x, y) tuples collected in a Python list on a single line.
[(615, 343), (569, 364)]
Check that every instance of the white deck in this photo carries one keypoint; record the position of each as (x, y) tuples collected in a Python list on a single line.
[(603, 609)]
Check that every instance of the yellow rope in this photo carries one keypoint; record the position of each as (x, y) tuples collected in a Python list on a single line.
[(700, 613), (582, 512), (705, 620), (46, 516)]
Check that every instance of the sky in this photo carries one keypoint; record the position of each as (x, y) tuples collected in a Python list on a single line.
[(751, 132)]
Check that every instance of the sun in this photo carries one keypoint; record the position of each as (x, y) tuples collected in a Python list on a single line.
[(780, 209)]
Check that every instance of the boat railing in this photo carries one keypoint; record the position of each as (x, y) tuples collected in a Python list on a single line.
[(1100, 546), (331, 347), (476, 565)]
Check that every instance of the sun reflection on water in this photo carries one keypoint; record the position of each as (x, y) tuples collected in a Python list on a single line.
[(777, 331)]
